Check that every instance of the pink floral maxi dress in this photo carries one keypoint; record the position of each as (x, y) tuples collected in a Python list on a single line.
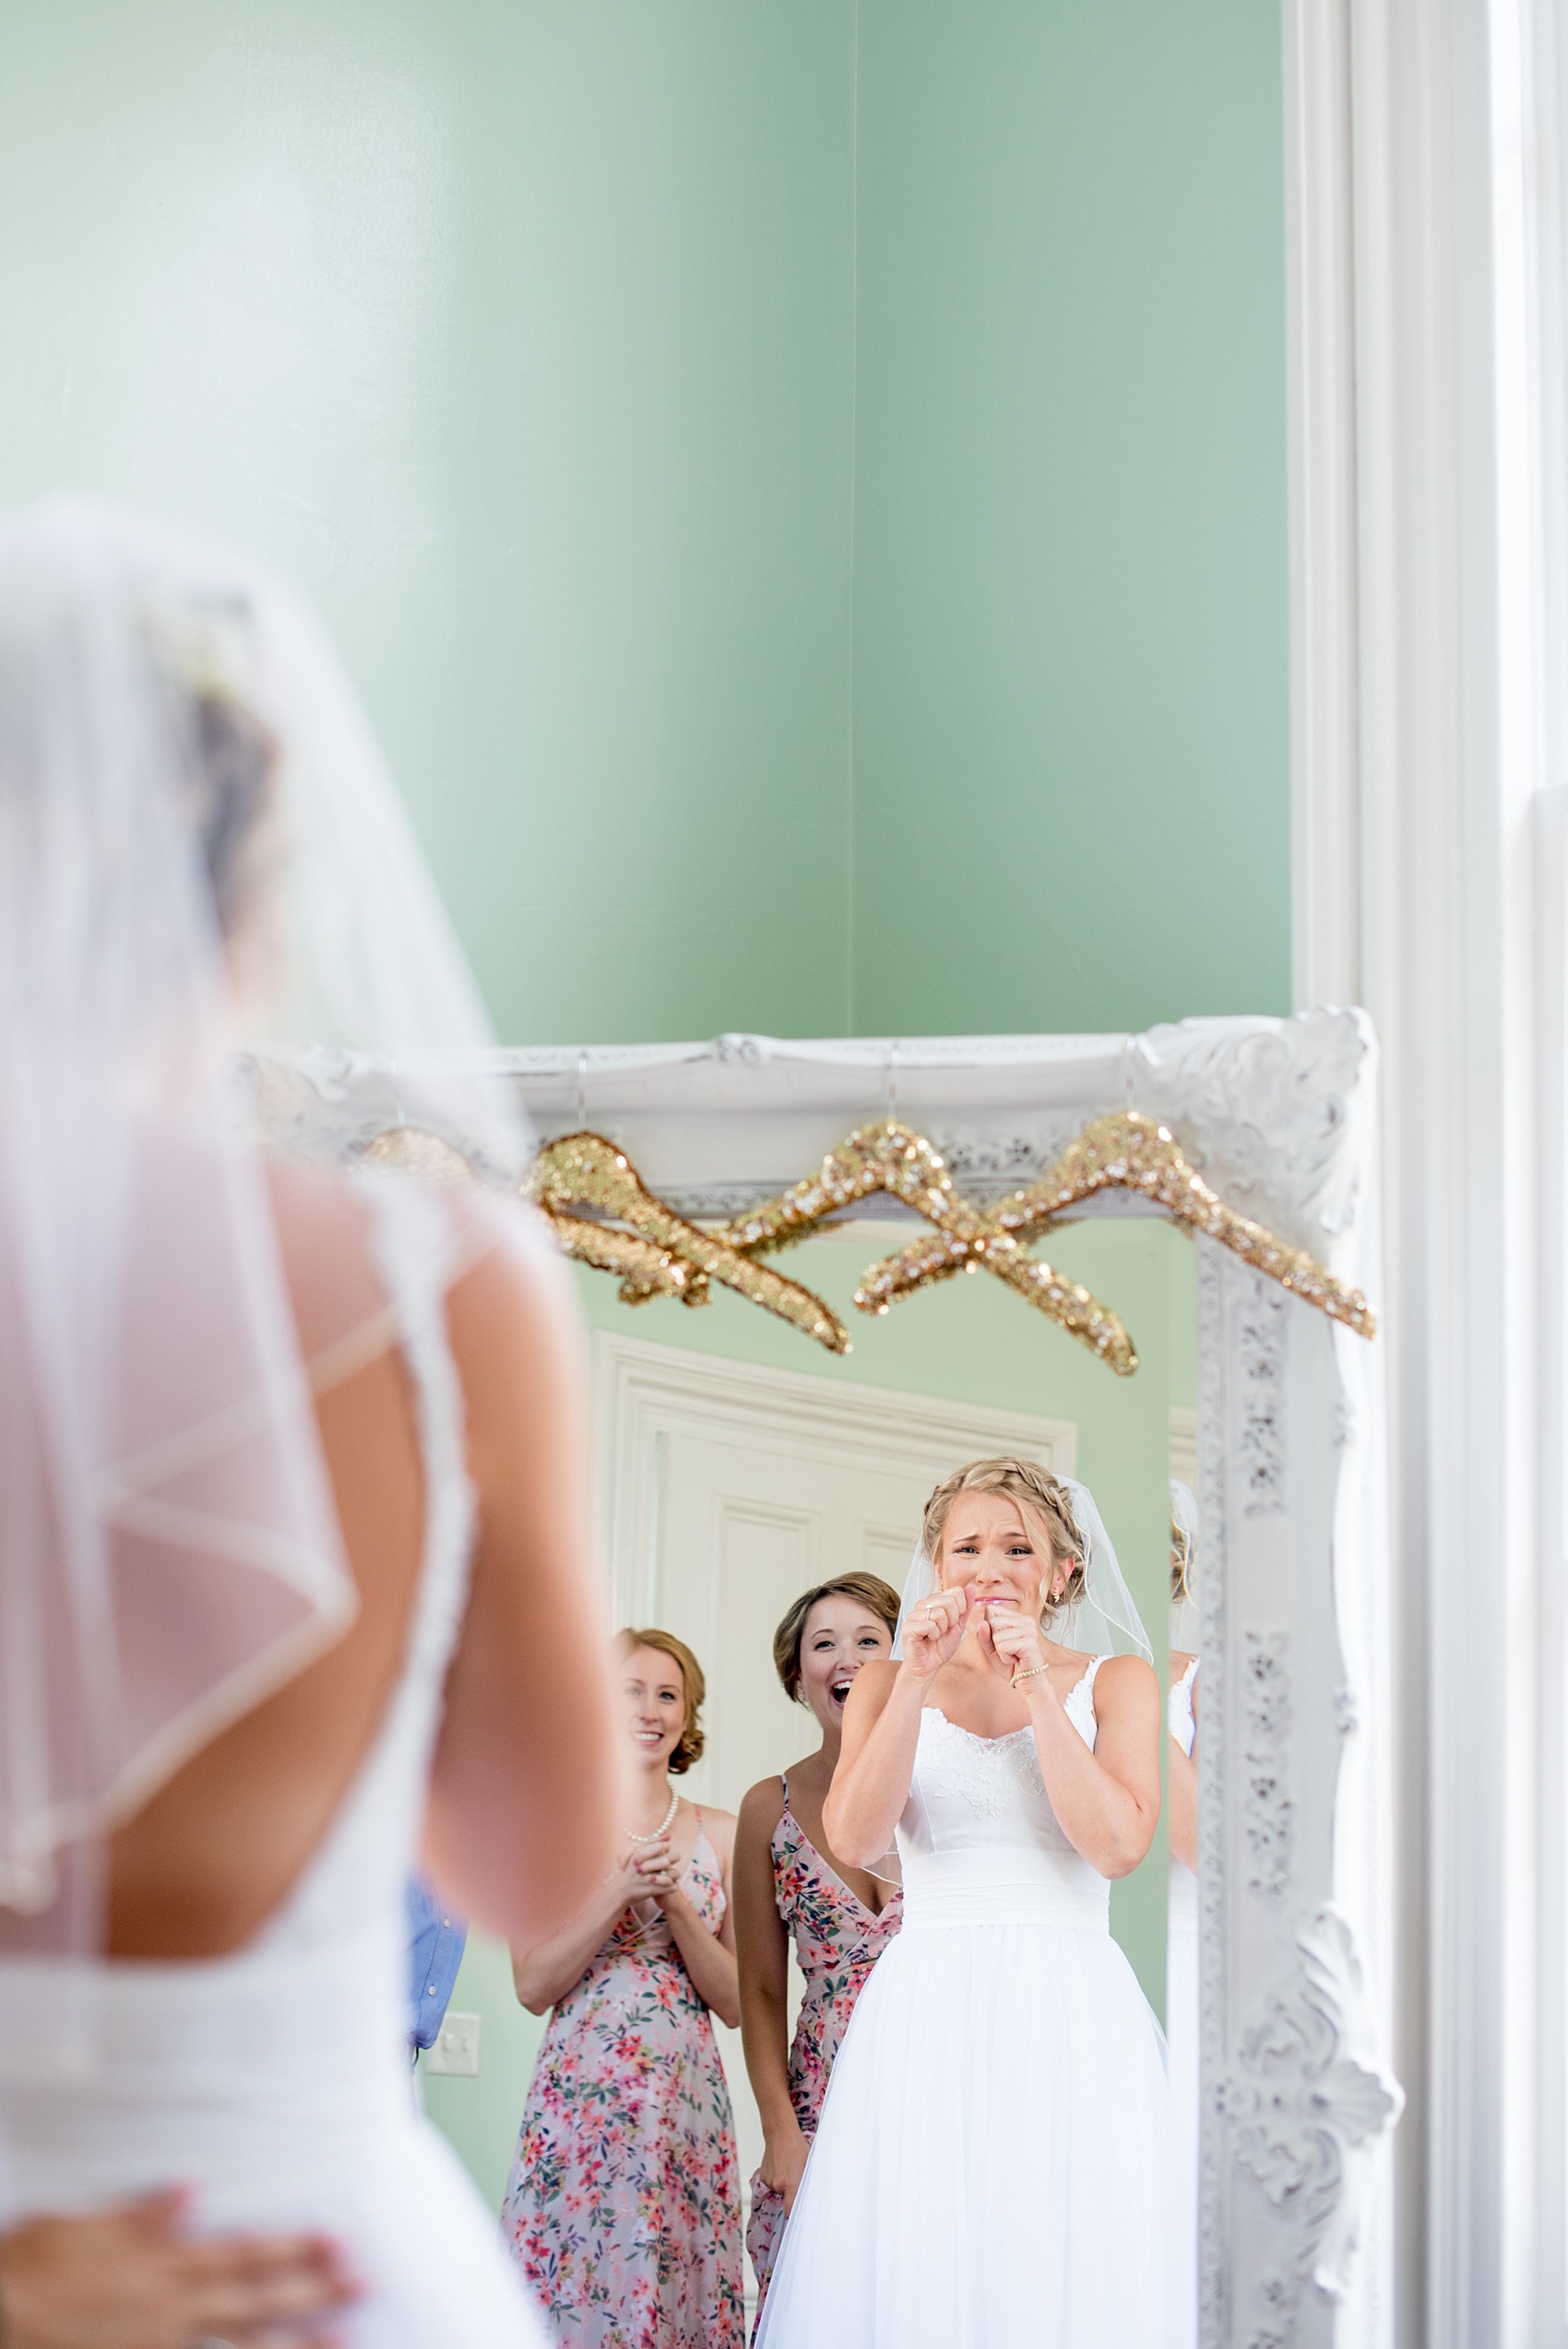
[(837, 1941), (623, 2208)]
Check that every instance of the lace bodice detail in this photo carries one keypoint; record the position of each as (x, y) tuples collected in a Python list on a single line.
[(979, 1835)]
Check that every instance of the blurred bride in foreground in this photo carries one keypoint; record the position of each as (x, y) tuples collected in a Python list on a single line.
[(291, 1564)]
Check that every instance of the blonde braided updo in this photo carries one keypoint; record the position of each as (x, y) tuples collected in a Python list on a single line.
[(1038, 1495)]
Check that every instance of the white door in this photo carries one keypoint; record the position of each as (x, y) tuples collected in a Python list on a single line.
[(724, 1491), (743, 1529)]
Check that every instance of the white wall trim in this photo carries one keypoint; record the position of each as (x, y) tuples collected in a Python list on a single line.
[(1428, 878), (644, 1391)]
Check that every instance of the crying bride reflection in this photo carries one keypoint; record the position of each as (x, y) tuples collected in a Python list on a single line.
[(763, 1507)]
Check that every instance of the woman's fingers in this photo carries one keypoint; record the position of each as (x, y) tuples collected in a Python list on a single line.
[(127, 2278), (289, 2337), (255, 2262), (265, 2288), (159, 2214)]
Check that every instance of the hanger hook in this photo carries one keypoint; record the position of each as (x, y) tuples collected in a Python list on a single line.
[(1127, 1045), (892, 1080)]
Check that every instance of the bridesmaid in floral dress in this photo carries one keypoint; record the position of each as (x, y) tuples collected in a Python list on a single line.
[(623, 2208), (788, 1882)]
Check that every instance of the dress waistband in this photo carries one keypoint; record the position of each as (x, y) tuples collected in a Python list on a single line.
[(272, 2061), (991, 1886)]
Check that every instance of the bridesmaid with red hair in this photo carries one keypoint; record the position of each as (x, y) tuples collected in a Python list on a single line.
[(623, 2206)]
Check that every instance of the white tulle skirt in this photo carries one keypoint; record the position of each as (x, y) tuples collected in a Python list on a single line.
[(992, 2165)]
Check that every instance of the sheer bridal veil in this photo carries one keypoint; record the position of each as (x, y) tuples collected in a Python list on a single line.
[(198, 845)]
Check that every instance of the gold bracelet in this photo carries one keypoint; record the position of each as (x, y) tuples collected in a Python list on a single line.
[(1033, 1673)]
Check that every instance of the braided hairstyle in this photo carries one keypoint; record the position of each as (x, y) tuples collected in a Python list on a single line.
[(1037, 1494)]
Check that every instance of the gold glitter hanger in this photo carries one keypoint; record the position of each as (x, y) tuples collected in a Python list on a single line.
[(1125, 1152), (415, 1150), (654, 1252), (662, 1255), (891, 1158)]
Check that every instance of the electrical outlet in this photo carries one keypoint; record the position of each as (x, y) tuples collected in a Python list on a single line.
[(457, 2047)]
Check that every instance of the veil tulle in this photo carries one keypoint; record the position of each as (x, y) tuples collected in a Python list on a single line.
[(169, 1546), (1185, 1623), (1101, 1621)]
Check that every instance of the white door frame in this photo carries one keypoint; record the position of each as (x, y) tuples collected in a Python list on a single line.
[(645, 1392)]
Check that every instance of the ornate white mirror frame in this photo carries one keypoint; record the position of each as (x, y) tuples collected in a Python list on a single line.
[(1276, 1114)]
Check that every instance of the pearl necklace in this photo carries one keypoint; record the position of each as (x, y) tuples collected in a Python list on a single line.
[(663, 1827)]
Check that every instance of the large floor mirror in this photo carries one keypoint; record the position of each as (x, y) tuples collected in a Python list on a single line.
[(1201, 1356)]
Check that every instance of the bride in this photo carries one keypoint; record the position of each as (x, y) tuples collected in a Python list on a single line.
[(992, 2165), (291, 1560)]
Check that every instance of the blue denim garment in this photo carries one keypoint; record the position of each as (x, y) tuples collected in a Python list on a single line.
[(436, 1951)]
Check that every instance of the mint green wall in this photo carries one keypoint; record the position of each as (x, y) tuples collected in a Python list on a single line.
[(521, 336), (973, 1341), (1071, 738), (735, 442)]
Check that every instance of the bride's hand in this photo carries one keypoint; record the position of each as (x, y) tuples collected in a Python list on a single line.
[(132, 2278), (1012, 1640), (934, 1630)]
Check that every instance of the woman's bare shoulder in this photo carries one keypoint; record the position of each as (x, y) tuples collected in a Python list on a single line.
[(510, 1263), (324, 1237), (1125, 1681), (762, 1808)]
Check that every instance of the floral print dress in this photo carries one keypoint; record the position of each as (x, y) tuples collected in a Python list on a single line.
[(837, 1941), (623, 2208)]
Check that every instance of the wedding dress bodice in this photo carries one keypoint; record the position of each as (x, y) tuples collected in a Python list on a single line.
[(979, 1840)]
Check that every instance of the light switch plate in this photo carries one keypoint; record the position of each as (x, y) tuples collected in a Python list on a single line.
[(455, 2050)]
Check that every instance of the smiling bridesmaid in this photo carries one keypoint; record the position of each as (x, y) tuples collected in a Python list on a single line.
[(788, 1881), (623, 2208)]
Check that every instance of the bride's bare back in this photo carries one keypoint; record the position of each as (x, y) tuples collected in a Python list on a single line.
[(520, 1797)]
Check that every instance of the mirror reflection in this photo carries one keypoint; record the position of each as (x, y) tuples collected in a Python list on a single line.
[(902, 1934)]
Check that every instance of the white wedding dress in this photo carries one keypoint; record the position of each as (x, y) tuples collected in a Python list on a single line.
[(991, 2168), (275, 2083)]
